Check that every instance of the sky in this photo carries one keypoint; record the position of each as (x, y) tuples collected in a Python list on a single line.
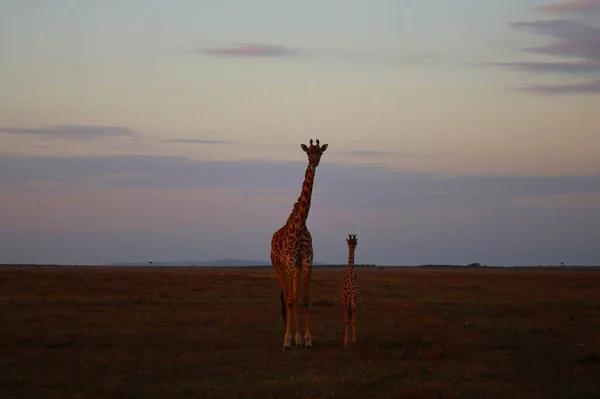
[(460, 131)]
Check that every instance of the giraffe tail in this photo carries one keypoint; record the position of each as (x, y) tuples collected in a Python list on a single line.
[(283, 308), (349, 309)]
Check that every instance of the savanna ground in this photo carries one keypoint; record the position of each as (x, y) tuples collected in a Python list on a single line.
[(109, 332)]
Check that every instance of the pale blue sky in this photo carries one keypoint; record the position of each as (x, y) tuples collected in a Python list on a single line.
[(147, 119)]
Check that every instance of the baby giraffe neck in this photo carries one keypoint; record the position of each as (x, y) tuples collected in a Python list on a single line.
[(351, 259)]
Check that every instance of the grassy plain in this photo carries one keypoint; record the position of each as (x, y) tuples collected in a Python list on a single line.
[(183, 332)]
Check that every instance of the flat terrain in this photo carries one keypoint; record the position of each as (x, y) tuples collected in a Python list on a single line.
[(110, 332)]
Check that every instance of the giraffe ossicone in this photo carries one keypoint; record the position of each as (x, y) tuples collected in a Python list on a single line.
[(292, 252)]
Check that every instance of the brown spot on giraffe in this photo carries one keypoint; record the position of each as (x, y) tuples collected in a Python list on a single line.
[(350, 292), (292, 252)]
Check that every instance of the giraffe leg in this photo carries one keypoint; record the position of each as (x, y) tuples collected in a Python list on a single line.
[(288, 324), (289, 299), (346, 322), (297, 337), (305, 305), (307, 262), (353, 321)]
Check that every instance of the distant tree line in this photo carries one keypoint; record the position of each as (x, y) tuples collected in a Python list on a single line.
[(475, 264), (346, 265)]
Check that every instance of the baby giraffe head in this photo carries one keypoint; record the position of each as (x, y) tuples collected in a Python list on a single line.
[(352, 241), (314, 152)]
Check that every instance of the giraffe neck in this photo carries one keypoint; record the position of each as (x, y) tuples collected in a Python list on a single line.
[(351, 260), (301, 211)]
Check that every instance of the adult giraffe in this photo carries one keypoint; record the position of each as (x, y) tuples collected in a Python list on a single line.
[(292, 251)]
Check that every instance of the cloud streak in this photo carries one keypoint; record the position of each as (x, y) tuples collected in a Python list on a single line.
[(378, 153), (551, 67), (381, 57), (253, 50), (71, 132), (199, 141), (573, 88)]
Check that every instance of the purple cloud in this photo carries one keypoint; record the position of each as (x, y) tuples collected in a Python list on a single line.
[(587, 47), (72, 131), (578, 40), (571, 7), (574, 39), (560, 28), (573, 88), (250, 50)]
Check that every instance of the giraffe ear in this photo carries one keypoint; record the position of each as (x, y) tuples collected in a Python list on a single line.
[(324, 147), (304, 147)]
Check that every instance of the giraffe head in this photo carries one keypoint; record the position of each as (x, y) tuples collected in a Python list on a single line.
[(314, 152), (352, 241)]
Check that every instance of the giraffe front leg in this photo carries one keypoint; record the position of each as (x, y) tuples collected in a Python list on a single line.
[(307, 264), (287, 338), (305, 305), (297, 337)]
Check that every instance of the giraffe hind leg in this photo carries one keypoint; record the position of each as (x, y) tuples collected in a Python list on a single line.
[(307, 263), (290, 299), (277, 267), (286, 306), (297, 337), (283, 308), (285, 295), (287, 338)]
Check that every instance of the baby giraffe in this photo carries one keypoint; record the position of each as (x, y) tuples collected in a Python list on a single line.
[(350, 293)]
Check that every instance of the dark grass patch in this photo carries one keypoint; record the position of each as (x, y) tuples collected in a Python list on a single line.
[(592, 357), (323, 303)]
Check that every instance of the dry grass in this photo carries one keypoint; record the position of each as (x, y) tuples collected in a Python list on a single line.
[(207, 332)]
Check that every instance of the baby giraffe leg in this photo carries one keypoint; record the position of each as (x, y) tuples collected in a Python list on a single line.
[(346, 323), (353, 324)]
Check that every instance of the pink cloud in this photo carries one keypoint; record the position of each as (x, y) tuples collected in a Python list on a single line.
[(253, 50), (571, 6)]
